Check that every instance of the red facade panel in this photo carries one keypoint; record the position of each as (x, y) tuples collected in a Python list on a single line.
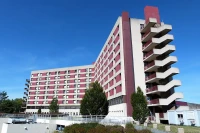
[(117, 57), (118, 78), (119, 88), (128, 61), (116, 39), (110, 41), (111, 92), (62, 72), (151, 12), (116, 31)]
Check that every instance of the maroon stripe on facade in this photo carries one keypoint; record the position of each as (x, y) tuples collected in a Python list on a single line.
[(151, 12), (128, 61)]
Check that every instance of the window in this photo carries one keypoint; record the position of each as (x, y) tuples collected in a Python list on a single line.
[(38, 74), (67, 91), (79, 80), (78, 86), (75, 71), (74, 91), (75, 76), (64, 86), (68, 76), (90, 69), (32, 75), (68, 86), (79, 71), (49, 78), (75, 96), (90, 80), (79, 75), (78, 90), (74, 101), (86, 75), (67, 96), (66, 101), (47, 73)]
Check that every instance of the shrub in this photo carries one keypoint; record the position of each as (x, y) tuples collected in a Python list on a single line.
[(92, 130), (75, 128), (108, 128), (101, 128), (129, 125), (115, 130), (88, 126), (130, 130), (144, 131)]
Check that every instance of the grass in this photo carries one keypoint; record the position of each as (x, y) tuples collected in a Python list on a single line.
[(174, 128)]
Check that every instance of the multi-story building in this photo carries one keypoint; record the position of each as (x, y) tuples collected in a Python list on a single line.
[(136, 54)]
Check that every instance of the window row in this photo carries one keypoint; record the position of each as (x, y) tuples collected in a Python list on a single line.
[(61, 96), (62, 77), (57, 87), (57, 91), (63, 72), (62, 102), (61, 82)]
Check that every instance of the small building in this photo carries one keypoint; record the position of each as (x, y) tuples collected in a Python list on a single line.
[(184, 117)]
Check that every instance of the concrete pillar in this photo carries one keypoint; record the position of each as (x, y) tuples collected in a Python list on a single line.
[(167, 128), (180, 130), (145, 124), (155, 126)]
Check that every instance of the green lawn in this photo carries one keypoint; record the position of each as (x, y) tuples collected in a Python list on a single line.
[(174, 128)]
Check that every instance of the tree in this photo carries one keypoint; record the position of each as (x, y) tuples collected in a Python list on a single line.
[(17, 104), (3, 96), (94, 101), (6, 106), (39, 110), (53, 107), (139, 104)]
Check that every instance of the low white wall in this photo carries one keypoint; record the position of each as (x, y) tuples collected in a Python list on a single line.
[(118, 110), (26, 128)]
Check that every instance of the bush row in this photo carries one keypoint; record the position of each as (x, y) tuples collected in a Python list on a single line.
[(98, 128)]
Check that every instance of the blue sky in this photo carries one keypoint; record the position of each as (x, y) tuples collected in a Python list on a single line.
[(42, 34)]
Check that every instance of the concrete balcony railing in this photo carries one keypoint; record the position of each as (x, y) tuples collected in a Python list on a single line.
[(151, 22), (165, 101), (163, 88), (151, 55), (156, 41), (163, 29), (163, 116), (161, 75), (155, 64)]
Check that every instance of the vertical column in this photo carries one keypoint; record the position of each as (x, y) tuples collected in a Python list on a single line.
[(128, 62), (151, 12)]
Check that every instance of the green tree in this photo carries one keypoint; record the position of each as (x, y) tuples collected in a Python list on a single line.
[(3, 96), (6, 106), (17, 104), (39, 110), (139, 104), (94, 101), (53, 107)]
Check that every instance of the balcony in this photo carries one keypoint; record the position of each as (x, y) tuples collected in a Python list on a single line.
[(26, 89), (25, 93), (165, 101), (156, 41), (164, 29), (154, 65), (161, 75), (151, 89), (163, 88), (151, 55), (27, 85), (163, 116), (151, 22), (27, 80), (153, 102)]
